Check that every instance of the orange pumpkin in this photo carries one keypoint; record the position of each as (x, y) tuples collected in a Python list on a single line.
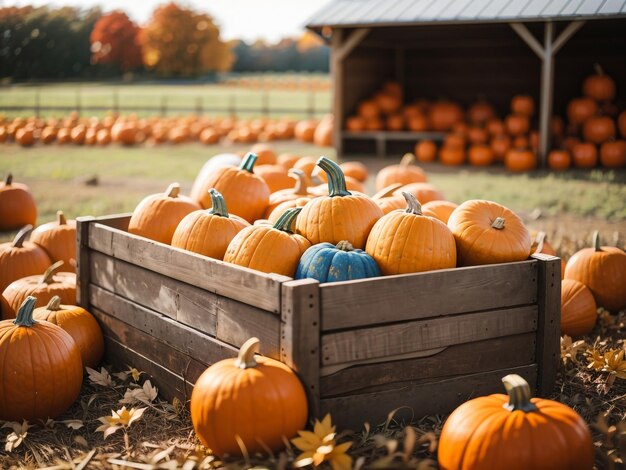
[(58, 238), (81, 326), (599, 129), (42, 368), (356, 170), (488, 233), (540, 244), (480, 155), (581, 109), (287, 160), (517, 124), (519, 159), (495, 127), (17, 206), (368, 109), (523, 105), (20, 258), (265, 154), (613, 154), (417, 123), (621, 124), (600, 87), (209, 136), (480, 112), (477, 135), (443, 115), (578, 308), (299, 191), (281, 208), (395, 122), (500, 145), (515, 432), (404, 172), (305, 130), (256, 400), (25, 136), (452, 155), (306, 164), (603, 270), (324, 132), (454, 140), (387, 201), (584, 155), (275, 176), (559, 160), (439, 209), (409, 241), (424, 192), (426, 151)]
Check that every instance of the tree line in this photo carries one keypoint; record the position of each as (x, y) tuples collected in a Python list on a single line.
[(72, 43)]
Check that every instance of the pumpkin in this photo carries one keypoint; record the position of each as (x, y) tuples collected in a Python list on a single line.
[(519, 159), (324, 132), (257, 400), (25, 136), (599, 86), (581, 109), (209, 136), (452, 155), (578, 308), (356, 170), (584, 155), (368, 109), (417, 123), (269, 248), (81, 326), (21, 258), (424, 192), (246, 194), (480, 112), (517, 124), (480, 155), (212, 164), (275, 176), (287, 160), (103, 137), (515, 432), (404, 172), (621, 124), (300, 190), (540, 244), (17, 206), (439, 209), (395, 122), (305, 130), (495, 127), (42, 368), (265, 154), (559, 160), (500, 145), (523, 105), (339, 216), (409, 242), (477, 135), (281, 208), (332, 263), (603, 270), (157, 216), (426, 151), (58, 239), (443, 115), (488, 233), (208, 232), (454, 140), (613, 154), (599, 129), (387, 201), (306, 164)]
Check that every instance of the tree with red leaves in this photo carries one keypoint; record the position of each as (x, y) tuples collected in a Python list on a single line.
[(115, 40)]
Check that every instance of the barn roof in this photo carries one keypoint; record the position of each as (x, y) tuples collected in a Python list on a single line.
[(366, 13)]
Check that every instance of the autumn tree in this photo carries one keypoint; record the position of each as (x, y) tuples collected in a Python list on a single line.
[(179, 41), (115, 40)]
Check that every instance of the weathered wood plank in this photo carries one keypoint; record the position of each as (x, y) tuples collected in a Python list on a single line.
[(82, 261), (417, 400), (481, 356), (300, 334), (549, 322), (245, 285), (118, 221), (198, 345), (460, 290), (402, 338)]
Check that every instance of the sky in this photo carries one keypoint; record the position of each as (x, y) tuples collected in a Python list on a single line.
[(243, 19)]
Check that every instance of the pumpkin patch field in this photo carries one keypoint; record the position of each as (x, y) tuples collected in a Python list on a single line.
[(129, 274)]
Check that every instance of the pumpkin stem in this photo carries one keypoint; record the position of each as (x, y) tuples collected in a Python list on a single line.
[(248, 162), (286, 220), (386, 192), (541, 238), (519, 394), (596, 240), (19, 239), (498, 224), (336, 179), (301, 184), (598, 68), (218, 204), (245, 358), (345, 245), (413, 206), (54, 304), (48, 276), (61, 220), (9, 179), (407, 159), (173, 190), (25, 313)]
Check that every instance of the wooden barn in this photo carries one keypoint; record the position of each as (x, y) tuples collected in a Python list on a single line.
[(464, 50)]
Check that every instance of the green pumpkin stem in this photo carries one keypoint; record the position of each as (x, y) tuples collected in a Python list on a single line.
[(301, 186), (173, 190), (336, 178), (498, 224), (218, 204), (9, 179), (413, 206), (48, 276), (286, 220), (596, 241), (519, 394), (61, 220), (245, 358), (20, 238), (345, 245), (54, 304), (25, 313), (248, 162)]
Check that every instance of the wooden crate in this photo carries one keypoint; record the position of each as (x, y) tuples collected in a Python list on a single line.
[(425, 342)]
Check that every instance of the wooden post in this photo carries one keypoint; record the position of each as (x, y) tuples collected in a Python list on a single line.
[(300, 335), (82, 260), (336, 73), (547, 88), (37, 102)]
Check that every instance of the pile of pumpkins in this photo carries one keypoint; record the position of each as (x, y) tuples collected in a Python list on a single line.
[(131, 130)]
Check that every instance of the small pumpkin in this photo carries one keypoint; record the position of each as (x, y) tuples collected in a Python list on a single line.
[(523, 105), (42, 368), (520, 159), (17, 206), (439, 209), (613, 154), (578, 308), (423, 192), (500, 145), (480, 155), (275, 176), (356, 170), (581, 109), (426, 151), (409, 242), (405, 172), (559, 160), (599, 129), (306, 164), (443, 115), (388, 201), (480, 112), (488, 233), (495, 127), (21, 258), (599, 86), (333, 263), (603, 270), (477, 135), (209, 231), (81, 326), (288, 160), (58, 239), (584, 155), (452, 155), (255, 399), (281, 208), (517, 124), (621, 124), (498, 432)]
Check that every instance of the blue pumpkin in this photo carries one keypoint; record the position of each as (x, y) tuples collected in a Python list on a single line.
[(329, 263)]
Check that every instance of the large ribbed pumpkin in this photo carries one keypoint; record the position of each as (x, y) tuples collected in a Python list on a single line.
[(275, 176), (211, 165), (42, 369), (58, 238), (21, 258), (515, 432), (81, 326), (269, 248), (603, 270), (578, 308), (245, 193), (339, 216), (405, 172), (439, 209), (209, 231), (300, 190), (258, 399), (487, 233), (406, 241), (17, 206), (331, 263)]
